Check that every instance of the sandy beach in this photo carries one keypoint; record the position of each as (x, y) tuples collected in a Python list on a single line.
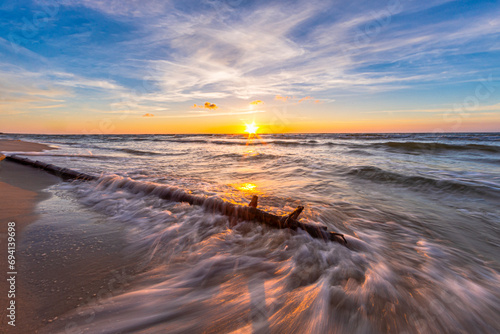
[(52, 276), (22, 146), (21, 188)]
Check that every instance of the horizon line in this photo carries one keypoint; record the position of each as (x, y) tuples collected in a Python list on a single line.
[(264, 133)]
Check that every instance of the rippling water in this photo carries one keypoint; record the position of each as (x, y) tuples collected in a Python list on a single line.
[(420, 209)]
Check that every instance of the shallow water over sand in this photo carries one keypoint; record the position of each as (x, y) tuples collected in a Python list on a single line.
[(420, 212)]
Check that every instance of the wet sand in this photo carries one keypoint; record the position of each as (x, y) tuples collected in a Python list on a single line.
[(64, 260), (21, 188), (22, 146)]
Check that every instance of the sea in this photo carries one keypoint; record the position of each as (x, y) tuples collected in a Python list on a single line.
[(420, 213)]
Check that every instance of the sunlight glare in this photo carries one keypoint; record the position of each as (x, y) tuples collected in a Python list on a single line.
[(247, 187), (251, 128)]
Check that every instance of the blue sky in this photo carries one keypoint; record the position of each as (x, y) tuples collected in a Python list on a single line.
[(72, 66)]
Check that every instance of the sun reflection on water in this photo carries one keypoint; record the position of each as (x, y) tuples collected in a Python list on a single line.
[(249, 187)]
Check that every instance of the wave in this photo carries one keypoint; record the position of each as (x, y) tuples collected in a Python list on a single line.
[(256, 156), (140, 152), (423, 146), (209, 274), (137, 152), (359, 152), (255, 142), (409, 146), (187, 141), (481, 137), (418, 182), (407, 143), (488, 161)]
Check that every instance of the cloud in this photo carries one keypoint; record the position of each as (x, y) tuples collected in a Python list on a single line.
[(49, 107), (311, 99), (148, 115), (131, 8), (282, 98), (207, 105), (256, 102), (23, 92), (232, 113), (305, 99), (234, 65), (213, 53), (458, 108)]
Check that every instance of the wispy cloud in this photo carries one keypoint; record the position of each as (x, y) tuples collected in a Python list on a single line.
[(304, 99), (152, 57), (282, 98), (49, 107), (230, 113), (452, 109)]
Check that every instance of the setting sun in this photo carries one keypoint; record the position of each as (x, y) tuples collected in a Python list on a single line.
[(251, 128)]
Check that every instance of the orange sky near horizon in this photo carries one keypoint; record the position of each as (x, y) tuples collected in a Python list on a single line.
[(277, 115), (235, 124)]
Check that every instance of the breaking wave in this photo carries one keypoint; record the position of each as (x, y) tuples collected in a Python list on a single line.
[(138, 152), (376, 174), (199, 274), (438, 147)]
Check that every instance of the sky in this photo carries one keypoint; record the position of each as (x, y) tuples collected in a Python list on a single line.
[(212, 66)]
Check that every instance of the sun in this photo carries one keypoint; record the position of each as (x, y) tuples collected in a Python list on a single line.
[(251, 129)]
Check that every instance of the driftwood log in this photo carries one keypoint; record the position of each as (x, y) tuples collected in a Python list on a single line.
[(241, 212)]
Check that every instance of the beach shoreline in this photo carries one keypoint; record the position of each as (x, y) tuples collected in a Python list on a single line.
[(8, 145), (52, 278), (21, 188)]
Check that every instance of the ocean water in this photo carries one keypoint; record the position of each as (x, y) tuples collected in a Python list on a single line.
[(420, 211)]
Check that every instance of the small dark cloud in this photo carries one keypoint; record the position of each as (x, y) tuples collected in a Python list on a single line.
[(207, 105)]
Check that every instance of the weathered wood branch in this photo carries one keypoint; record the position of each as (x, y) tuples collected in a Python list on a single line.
[(241, 212), (63, 173), (253, 202)]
